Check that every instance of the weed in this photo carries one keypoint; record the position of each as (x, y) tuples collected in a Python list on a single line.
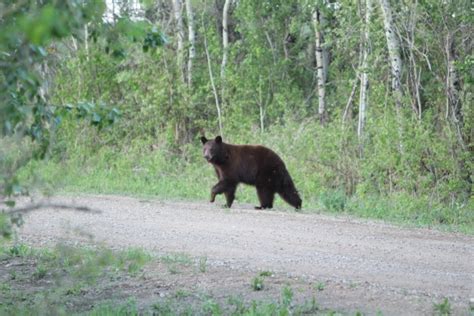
[(443, 308), (266, 273), (212, 308), (286, 296), (257, 284), (127, 309), (75, 289), (238, 303), (163, 308), (178, 258), (202, 264), (13, 275), (19, 250), (307, 308), (320, 286), (182, 293), (40, 272), (333, 200), (4, 287)]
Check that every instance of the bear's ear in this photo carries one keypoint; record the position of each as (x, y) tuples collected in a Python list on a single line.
[(218, 140), (203, 140)]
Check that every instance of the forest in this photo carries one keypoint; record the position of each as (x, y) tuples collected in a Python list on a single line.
[(368, 102)]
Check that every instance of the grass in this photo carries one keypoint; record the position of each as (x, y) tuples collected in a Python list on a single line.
[(320, 286), (443, 308), (266, 273), (257, 284), (42, 279), (202, 264)]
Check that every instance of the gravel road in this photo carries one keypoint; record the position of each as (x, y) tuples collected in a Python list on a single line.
[(365, 265)]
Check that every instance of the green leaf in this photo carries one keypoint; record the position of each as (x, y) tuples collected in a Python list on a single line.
[(10, 203)]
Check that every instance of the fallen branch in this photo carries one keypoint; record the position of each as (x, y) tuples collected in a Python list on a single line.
[(34, 207)]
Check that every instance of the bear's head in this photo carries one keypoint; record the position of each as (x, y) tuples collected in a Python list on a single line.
[(214, 151)]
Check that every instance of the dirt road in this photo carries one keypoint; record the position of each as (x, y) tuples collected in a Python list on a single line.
[(365, 265)]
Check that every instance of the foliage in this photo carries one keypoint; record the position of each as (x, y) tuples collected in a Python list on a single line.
[(34, 40)]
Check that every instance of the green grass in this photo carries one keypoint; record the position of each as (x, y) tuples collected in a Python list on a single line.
[(257, 284), (42, 279), (113, 309), (320, 286), (443, 308)]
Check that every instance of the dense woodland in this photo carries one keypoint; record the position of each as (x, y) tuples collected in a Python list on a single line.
[(369, 102)]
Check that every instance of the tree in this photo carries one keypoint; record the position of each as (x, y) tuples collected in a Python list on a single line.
[(393, 45), (225, 37), (321, 65), (177, 8), (364, 76), (192, 42)]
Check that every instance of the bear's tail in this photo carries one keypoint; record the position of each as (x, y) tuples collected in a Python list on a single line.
[(288, 191)]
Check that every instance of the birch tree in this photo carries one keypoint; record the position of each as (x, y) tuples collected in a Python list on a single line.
[(393, 45), (192, 42), (321, 66), (364, 76), (225, 46), (225, 37), (177, 8), (453, 100)]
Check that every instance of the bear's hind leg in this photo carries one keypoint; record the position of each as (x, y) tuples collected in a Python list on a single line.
[(291, 196), (266, 197)]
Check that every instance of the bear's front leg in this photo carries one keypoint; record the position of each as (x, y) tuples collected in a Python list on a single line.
[(218, 188), (224, 186)]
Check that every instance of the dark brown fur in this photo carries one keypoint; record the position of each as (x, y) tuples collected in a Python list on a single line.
[(253, 165)]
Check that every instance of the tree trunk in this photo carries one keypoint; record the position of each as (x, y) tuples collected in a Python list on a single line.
[(321, 67), (86, 40), (364, 77), (192, 42), (213, 85), (180, 37), (225, 36), (393, 45), (453, 101)]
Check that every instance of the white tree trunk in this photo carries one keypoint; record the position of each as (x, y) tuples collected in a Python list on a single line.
[(321, 66), (225, 37), (393, 45), (86, 40), (453, 100), (214, 89), (364, 77), (192, 41), (179, 36)]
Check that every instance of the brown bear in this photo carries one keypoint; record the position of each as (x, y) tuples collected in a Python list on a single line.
[(253, 165)]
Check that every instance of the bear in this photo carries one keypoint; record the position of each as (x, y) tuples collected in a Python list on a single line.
[(253, 165)]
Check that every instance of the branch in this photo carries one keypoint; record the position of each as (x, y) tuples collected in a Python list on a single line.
[(34, 207)]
